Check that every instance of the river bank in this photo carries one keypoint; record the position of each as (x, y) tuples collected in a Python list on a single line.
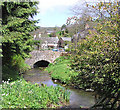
[(22, 94), (61, 71), (78, 98)]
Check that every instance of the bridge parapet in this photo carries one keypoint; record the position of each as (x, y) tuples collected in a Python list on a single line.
[(37, 55)]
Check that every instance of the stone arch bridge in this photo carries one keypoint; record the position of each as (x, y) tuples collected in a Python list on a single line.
[(46, 55)]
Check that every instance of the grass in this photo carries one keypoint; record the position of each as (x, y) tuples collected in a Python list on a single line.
[(22, 94), (61, 70)]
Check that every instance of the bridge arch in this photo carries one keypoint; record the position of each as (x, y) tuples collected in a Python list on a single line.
[(41, 63), (45, 56)]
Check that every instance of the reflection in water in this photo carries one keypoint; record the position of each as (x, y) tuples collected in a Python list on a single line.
[(78, 98), (81, 98)]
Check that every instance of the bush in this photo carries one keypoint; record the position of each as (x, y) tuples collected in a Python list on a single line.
[(97, 58), (19, 63), (16, 67), (9, 72)]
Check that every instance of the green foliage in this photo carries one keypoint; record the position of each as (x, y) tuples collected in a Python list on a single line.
[(0, 40), (0, 46), (16, 67), (64, 34), (9, 72), (16, 27), (63, 27), (97, 58), (61, 70), (18, 62), (52, 34), (22, 94)]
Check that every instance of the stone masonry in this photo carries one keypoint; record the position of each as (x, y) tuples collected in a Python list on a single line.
[(37, 55)]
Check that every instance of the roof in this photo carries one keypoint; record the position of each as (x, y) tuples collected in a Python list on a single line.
[(66, 38), (49, 40), (82, 34), (50, 31)]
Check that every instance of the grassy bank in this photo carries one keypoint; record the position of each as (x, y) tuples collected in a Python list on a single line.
[(22, 94), (61, 70)]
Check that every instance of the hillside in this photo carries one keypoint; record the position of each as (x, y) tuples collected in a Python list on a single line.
[(43, 30)]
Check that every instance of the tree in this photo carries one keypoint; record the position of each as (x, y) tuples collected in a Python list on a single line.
[(88, 12), (97, 58), (64, 31), (0, 40), (90, 9), (61, 43), (53, 34), (82, 16), (63, 27), (16, 27), (0, 32)]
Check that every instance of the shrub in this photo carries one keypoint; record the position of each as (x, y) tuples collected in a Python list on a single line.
[(97, 58), (17, 66), (19, 63)]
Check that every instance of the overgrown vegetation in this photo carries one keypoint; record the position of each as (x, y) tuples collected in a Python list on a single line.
[(60, 70), (22, 94), (97, 58)]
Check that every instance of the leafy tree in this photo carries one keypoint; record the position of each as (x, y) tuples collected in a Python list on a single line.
[(17, 23), (66, 30), (60, 33), (53, 34), (63, 27), (97, 58), (0, 40)]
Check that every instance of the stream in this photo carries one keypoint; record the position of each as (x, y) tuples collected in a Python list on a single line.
[(78, 98)]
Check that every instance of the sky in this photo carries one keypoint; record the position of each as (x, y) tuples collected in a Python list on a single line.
[(55, 12)]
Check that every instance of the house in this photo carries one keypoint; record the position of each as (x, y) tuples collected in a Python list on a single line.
[(39, 34), (61, 43), (66, 39), (81, 34), (35, 36), (48, 42), (51, 42), (49, 32)]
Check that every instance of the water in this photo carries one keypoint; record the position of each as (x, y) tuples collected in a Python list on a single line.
[(78, 98)]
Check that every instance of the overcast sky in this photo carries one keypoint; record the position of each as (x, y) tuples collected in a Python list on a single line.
[(55, 12)]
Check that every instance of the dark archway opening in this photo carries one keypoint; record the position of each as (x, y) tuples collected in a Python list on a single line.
[(41, 63)]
